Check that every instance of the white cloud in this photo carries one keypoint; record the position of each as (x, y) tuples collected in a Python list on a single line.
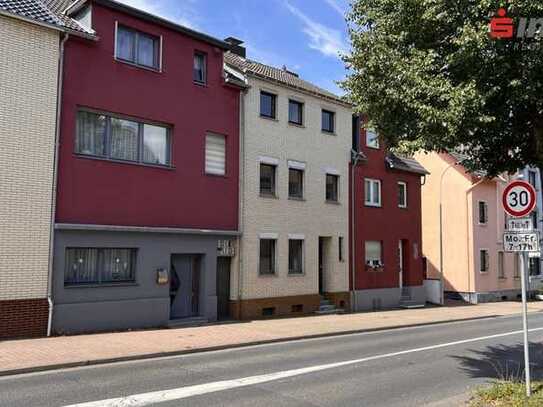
[(326, 40), (336, 6), (183, 13)]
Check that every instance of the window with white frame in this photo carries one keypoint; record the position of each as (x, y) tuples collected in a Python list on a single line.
[(199, 70), (295, 183), (215, 154), (372, 138), (483, 213), (105, 136), (402, 194), (501, 265), (267, 258), (373, 253), (372, 192), (483, 260), (295, 256), (137, 48)]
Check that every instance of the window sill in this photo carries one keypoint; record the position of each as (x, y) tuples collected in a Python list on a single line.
[(482, 224), (294, 198), (294, 124), (373, 147), (402, 207), (215, 175), (269, 196), (133, 64), (328, 133), (266, 275), (332, 202), (105, 285), (201, 84), (272, 119), (109, 160), (369, 205), (296, 274)]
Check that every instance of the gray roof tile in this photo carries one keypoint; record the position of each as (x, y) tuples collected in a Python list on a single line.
[(278, 75), (408, 164)]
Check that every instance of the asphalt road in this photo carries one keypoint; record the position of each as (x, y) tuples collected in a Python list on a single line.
[(434, 365)]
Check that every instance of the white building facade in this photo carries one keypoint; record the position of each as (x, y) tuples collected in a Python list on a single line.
[(296, 141)]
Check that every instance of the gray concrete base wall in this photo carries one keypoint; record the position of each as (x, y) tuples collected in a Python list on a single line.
[(140, 304), (383, 298), (111, 315), (481, 297)]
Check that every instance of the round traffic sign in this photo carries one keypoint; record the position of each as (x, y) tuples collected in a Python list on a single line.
[(519, 198)]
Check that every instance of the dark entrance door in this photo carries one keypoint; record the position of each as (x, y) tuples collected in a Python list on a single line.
[(321, 265), (184, 286), (223, 287)]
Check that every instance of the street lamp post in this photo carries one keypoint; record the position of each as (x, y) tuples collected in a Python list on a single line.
[(442, 295)]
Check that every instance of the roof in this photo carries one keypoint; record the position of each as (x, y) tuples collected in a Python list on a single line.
[(279, 75), (460, 157), (41, 12), (407, 164)]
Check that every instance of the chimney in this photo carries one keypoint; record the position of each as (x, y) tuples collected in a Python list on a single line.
[(235, 46)]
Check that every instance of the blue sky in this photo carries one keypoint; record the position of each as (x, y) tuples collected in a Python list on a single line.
[(304, 35)]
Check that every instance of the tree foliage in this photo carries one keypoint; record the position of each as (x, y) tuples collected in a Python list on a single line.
[(429, 77)]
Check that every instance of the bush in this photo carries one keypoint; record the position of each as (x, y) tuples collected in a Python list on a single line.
[(508, 394)]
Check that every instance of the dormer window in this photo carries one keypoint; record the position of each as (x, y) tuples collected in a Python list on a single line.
[(372, 139)]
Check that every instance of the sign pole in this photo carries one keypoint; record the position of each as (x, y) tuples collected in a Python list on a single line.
[(524, 270)]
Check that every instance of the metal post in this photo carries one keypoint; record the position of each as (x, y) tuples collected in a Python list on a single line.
[(524, 271), (441, 293)]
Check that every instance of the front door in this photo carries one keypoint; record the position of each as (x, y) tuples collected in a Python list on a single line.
[(223, 287), (322, 263), (400, 262), (184, 286)]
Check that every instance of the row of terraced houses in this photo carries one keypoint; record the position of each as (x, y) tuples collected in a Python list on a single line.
[(156, 176)]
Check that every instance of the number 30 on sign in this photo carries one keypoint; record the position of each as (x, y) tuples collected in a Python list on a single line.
[(519, 198)]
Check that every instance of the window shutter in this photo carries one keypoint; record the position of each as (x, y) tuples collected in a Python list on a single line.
[(215, 154)]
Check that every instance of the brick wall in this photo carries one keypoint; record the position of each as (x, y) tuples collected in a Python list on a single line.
[(23, 318), (311, 217), (28, 86)]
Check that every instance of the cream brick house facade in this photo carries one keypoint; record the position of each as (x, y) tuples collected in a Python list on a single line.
[(284, 145), (29, 66)]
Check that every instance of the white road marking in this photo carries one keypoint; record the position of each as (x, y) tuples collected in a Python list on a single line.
[(145, 399)]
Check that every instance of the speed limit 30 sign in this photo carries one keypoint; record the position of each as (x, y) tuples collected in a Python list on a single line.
[(519, 198)]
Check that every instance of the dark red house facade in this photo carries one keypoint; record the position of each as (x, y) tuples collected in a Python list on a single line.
[(388, 265), (147, 196)]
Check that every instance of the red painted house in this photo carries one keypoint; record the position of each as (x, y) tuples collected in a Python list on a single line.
[(388, 261), (147, 199)]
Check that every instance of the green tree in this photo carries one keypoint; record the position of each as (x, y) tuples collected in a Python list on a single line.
[(429, 77)]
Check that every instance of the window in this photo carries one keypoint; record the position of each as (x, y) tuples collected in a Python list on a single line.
[(99, 266), (372, 192), (113, 138), (332, 186), (516, 269), (372, 138), (532, 178), (340, 248), (215, 154), (267, 256), (295, 183), (483, 213), (533, 215), (295, 112), (137, 48), (501, 266), (267, 179), (267, 104), (534, 266), (483, 260), (199, 73), (295, 256), (328, 121), (373, 254), (402, 194)]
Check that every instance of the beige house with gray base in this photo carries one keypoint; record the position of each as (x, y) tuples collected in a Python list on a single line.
[(296, 141)]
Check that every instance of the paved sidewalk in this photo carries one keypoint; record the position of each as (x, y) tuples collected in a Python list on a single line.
[(44, 353)]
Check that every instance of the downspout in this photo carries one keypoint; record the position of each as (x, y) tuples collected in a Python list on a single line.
[(441, 278), (60, 73), (355, 162), (467, 230), (241, 194)]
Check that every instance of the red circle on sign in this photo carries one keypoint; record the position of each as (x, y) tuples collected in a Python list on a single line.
[(531, 205)]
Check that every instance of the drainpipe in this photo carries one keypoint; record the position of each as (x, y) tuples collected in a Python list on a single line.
[(60, 73), (441, 279), (468, 228), (241, 193), (356, 157)]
